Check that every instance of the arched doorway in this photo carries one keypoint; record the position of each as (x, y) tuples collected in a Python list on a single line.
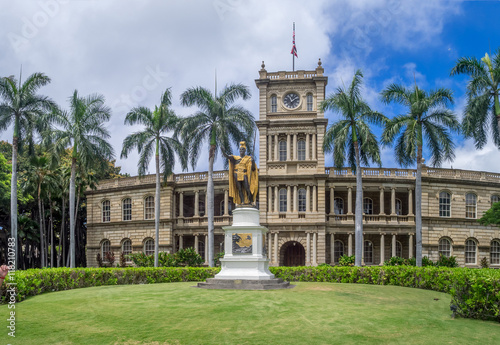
[(293, 254)]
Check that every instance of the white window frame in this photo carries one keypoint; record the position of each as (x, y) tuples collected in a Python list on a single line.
[(105, 248), (106, 211), (149, 207), (301, 150), (302, 197), (127, 246), (470, 252), (282, 145), (495, 252), (274, 104), (367, 206), (282, 199), (338, 247), (127, 209), (149, 246), (470, 205), (309, 99), (368, 252), (444, 247), (444, 204)]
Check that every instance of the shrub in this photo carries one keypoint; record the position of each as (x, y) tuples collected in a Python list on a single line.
[(123, 261), (184, 257), (346, 260), (396, 261), (484, 263), (99, 260), (446, 262), (217, 258), (189, 257)]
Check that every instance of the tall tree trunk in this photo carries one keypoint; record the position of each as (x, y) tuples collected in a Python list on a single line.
[(157, 210), (40, 217), (418, 207), (62, 236), (52, 248), (497, 108), (13, 193), (210, 211), (72, 213), (358, 223)]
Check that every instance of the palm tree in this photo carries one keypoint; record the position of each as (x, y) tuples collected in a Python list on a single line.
[(220, 123), (427, 117), (154, 140), (483, 107), (22, 108), (83, 130), (351, 139)]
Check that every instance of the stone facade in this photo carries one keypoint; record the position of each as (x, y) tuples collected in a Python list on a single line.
[(308, 209)]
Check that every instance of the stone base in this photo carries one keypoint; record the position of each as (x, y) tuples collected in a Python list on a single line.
[(245, 284), (246, 267)]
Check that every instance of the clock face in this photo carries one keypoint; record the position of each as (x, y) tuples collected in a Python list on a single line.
[(291, 100)]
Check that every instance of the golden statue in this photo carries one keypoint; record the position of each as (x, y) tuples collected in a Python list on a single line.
[(243, 177)]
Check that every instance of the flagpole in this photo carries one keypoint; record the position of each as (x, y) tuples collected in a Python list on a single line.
[(293, 55)]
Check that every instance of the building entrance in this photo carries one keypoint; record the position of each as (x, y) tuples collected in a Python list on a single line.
[(294, 254)]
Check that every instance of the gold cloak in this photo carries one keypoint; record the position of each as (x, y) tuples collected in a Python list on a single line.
[(252, 176)]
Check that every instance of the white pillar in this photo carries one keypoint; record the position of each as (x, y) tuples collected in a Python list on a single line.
[(382, 249), (308, 249), (269, 147), (226, 202), (393, 201), (349, 245), (196, 243), (197, 204), (393, 244), (269, 247), (276, 248), (295, 157), (332, 200), (276, 158), (181, 204), (308, 197), (307, 146), (314, 146), (295, 198), (315, 197), (269, 199), (276, 200), (349, 200), (174, 205), (410, 202), (410, 248), (332, 249), (181, 242), (315, 239), (288, 199), (288, 144), (206, 203), (206, 249), (382, 212)]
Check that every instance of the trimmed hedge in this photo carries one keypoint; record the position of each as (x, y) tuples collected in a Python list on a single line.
[(475, 292)]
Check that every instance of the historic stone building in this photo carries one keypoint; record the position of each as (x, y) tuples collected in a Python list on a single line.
[(309, 209)]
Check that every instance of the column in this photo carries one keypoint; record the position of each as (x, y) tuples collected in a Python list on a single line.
[(295, 152), (349, 200), (332, 249), (226, 202), (349, 245), (174, 204), (308, 249), (410, 202), (315, 198), (382, 249), (410, 248), (393, 245), (206, 249), (269, 246), (332, 200), (288, 149), (382, 212), (181, 204), (196, 203), (315, 239), (206, 203), (181, 242), (269, 199), (276, 201), (288, 199), (276, 158), (295, 198), (307, 146), (269, 147), (308, 197), (393, 201), (276, 248), (196, 243), (314, 146)]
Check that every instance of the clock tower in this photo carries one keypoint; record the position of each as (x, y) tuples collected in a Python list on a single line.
[(291, 160)]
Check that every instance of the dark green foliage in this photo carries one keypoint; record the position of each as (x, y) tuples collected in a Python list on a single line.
[(446, 261), (184, 257), (99, 260), (492, 216), (346, 260), (396, 261), (217, 259), (442, 262), (189, 257), (484, 262)]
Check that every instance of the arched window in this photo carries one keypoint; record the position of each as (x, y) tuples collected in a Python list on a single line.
[(309, 102), (444, 247), (494, 199), (368, 252), (399, 207), (127, 209), (470, 205), (301, 150), (338, 247), (470, 251), (399, 249), (282, 145), (106, 211), (367, 206), (127, 247), (149, 207), (495, 252), (274, 104), (302, 200), (149, 246), (105, 248), (338, 207), (282, 196), (444, 204)]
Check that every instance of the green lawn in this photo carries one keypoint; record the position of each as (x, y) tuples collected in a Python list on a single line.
[(311, 313)]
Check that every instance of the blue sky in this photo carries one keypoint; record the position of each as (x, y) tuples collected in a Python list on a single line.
[(131, 51)]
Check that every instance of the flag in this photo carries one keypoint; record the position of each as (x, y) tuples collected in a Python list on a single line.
[(294, 48)]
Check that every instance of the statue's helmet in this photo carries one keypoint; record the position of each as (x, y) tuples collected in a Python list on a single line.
[(243, 145)]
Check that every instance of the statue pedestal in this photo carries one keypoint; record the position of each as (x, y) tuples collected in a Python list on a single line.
[(245, 265)]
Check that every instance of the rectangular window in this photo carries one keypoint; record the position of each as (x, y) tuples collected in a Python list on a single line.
[(127, 209), (444, 204), (282, 146), (274, 104), (149, 208), (470, 252), (106, 211), (495, 253), (282, 197), (470, 205), (302, 200), (309, 102)]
